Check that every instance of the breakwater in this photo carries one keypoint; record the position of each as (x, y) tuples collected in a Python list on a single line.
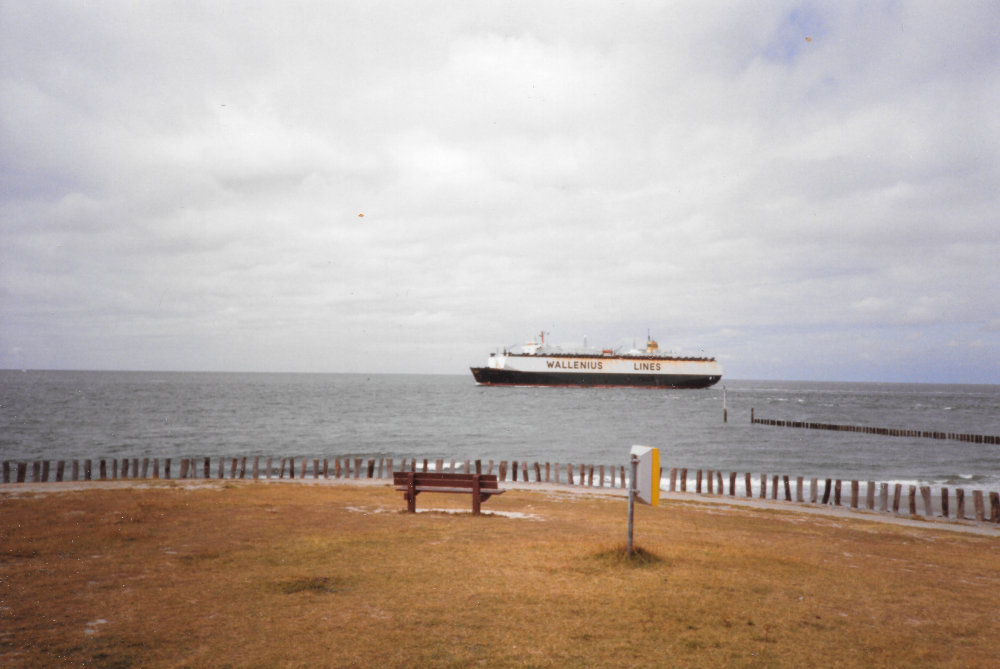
[(880, 497), (884, 431)]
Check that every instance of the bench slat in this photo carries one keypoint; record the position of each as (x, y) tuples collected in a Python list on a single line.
[(444, 476), (445, 480), (467, 491), (445, 484)]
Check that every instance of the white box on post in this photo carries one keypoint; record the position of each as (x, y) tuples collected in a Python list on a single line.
[(647, 475)]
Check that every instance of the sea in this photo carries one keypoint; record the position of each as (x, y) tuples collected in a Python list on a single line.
[(56, 415)]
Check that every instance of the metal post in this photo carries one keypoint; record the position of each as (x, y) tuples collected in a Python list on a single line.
[(631, 502)]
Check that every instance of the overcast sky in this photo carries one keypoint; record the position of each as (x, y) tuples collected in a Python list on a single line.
[(805, 191)]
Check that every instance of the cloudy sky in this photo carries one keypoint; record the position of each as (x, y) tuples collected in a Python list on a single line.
[(805, 191)]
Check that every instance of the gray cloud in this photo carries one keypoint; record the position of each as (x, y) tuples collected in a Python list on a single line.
[(363, 187)]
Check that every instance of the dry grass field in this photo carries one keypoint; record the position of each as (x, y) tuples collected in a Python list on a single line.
[(257, 575)]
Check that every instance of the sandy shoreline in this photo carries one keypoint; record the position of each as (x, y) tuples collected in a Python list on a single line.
[(16, 490)]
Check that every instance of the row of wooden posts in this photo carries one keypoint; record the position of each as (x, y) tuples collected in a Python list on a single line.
[(714, 482), (884, 431), (341, 468), (706, 481)]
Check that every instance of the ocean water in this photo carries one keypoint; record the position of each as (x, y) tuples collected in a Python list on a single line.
[(73, 415)]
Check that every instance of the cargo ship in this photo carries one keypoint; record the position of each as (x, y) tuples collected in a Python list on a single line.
[(541, 364)]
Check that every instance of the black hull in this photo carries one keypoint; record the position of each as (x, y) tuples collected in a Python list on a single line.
[(488, 376)]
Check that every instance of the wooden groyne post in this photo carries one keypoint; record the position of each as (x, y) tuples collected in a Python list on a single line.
[(882, 431)]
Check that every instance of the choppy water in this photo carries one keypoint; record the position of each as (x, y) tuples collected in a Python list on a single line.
[(67, 415)]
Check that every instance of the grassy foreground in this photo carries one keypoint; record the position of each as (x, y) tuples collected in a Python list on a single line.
[(255, 575)]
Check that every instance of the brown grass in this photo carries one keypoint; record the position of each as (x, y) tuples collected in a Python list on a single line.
[(255, 575)]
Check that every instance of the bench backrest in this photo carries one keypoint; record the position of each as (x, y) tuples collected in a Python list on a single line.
[(442, 480)]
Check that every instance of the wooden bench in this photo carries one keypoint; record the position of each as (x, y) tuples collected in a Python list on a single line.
[(480, 486)]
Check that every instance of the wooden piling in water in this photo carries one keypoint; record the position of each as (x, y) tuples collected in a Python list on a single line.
[(994, 507), (913, 500), (763, 486), (684, 480), (944, 502), (788, 489), (925, 493), (827, 490), (749, 487), (977, 503), (697, 488), (897, 494), (774, 487), (854, 494)]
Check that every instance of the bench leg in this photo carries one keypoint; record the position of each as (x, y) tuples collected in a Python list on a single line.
[(411, 493), (476, 500)]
